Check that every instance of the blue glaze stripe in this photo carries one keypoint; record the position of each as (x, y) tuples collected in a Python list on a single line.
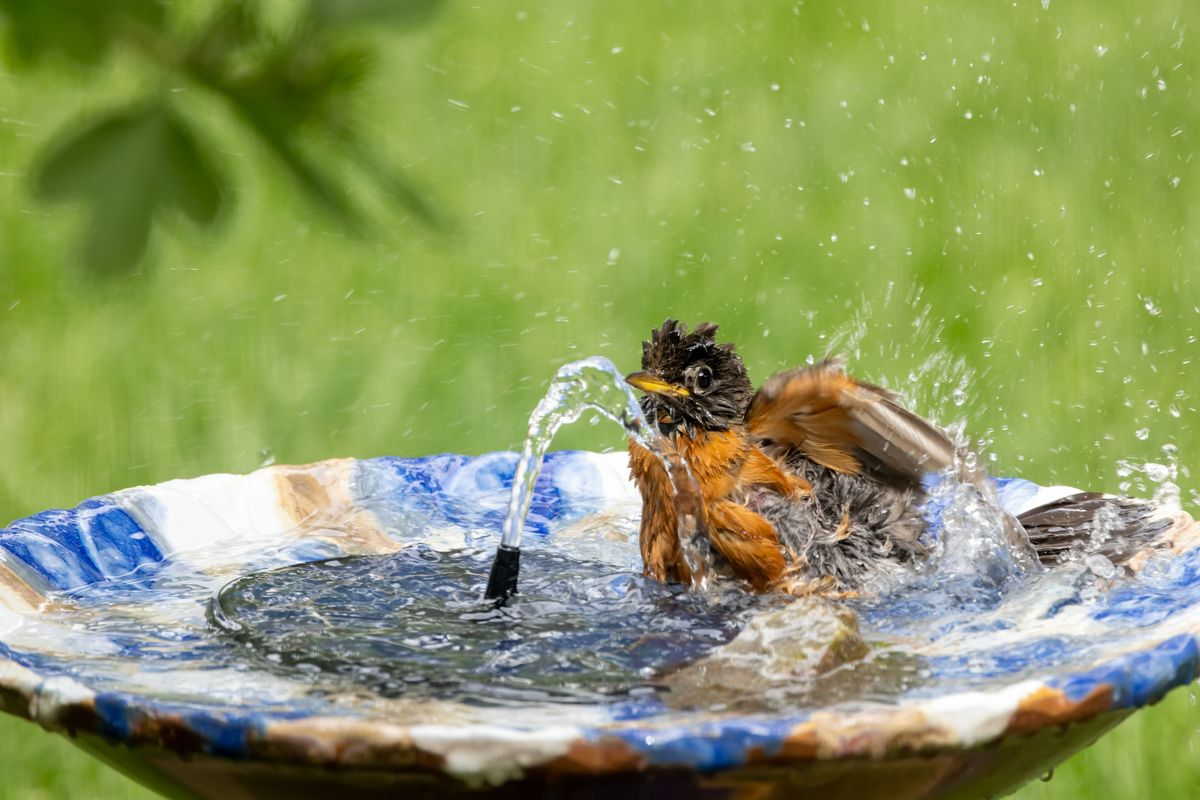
[(706, 746), (1139, 678)]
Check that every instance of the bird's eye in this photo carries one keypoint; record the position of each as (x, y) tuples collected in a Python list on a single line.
[(703, 378)]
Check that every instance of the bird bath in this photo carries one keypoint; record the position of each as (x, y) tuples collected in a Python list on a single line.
[(360, 658)]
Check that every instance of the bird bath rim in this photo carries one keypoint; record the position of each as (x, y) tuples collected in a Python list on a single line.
[(342, 507)]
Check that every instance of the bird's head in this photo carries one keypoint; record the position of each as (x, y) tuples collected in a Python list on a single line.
[(691, 382)]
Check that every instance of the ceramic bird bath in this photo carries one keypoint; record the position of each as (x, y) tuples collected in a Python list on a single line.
[(112, 631)]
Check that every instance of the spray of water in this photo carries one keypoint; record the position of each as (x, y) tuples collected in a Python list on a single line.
[(592, 384)]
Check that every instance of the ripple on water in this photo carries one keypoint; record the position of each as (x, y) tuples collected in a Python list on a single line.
[(412, 624)]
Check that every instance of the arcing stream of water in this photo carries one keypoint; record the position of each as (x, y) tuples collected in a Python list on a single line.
[(576, 387), (590, 384)]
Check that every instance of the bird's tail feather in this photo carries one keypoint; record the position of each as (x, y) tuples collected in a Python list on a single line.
[(1089, 522)]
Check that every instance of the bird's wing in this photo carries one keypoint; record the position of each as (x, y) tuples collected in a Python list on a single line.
[(846, 425)]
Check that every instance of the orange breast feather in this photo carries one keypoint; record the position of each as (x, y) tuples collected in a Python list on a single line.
[(724, 465)]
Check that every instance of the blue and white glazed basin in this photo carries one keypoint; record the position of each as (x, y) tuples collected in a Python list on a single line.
[(1008, 697)]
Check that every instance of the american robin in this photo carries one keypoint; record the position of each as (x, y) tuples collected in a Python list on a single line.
[(813, 482)]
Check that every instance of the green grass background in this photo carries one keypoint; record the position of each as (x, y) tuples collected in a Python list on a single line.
[(997, 199)]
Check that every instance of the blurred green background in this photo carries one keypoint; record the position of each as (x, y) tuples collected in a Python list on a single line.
[(986, 206)]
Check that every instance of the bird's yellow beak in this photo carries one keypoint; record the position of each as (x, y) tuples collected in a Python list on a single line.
[(652, 385)]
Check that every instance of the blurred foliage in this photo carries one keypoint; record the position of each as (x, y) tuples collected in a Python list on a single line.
[(126, 166), (291, 86)]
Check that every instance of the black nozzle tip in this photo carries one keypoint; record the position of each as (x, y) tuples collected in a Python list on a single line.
[(502, 582)]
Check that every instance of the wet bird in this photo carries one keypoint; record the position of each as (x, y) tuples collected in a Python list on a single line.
[(815, 481)]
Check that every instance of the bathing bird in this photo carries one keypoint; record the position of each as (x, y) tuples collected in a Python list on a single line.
[(816, 480)]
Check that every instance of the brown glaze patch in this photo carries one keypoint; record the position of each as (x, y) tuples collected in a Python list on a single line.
[(800, 745), (168, 732), (828, 737), (906, 730), (317, 501), (1046, 707), (1185, 533), (75, 717), (16, 594), (595, 758), (337, 741)]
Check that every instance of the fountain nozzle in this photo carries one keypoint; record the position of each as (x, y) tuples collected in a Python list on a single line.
[(502, 582)]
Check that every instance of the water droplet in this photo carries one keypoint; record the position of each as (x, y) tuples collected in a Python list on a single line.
[(1142, 433), (1157, 472)]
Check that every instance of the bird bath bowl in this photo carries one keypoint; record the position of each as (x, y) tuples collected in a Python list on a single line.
[(109, 632)]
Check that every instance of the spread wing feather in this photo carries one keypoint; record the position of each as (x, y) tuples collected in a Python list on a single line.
[(846, 425)]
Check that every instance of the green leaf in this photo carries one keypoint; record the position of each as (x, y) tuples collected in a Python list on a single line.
[(303, 80), (81, 30), (190, 183), (225, 36), (354, 12), (280, 139), (128, 166)]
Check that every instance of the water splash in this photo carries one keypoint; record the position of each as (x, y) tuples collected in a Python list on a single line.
[(1159, 477), (589, 384), (594, 384)]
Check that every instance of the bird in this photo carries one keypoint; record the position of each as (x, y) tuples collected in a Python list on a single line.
[(815, 481)]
